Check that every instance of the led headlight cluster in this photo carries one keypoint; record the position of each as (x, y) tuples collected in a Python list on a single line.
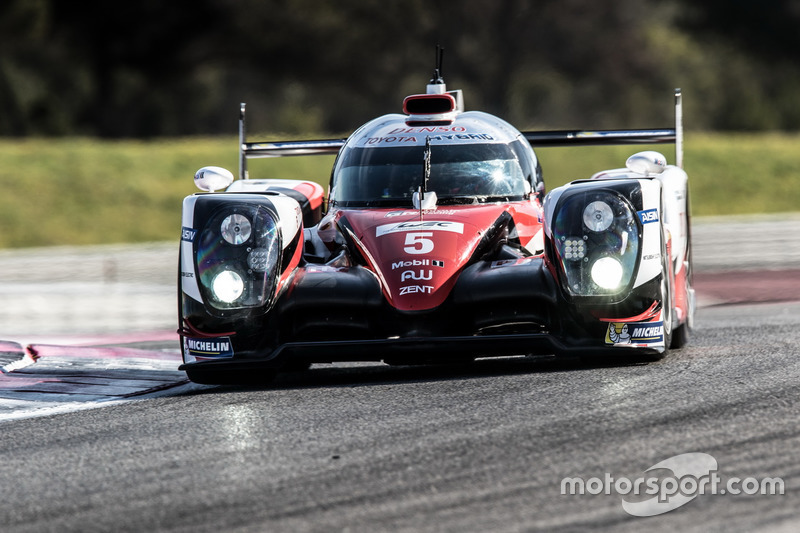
[(596, 238), (574, 248), (238, 256)]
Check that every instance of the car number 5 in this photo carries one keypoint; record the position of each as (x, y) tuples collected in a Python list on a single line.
[(419, 243)]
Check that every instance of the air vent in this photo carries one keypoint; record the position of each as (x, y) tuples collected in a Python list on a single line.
[(429, 104)]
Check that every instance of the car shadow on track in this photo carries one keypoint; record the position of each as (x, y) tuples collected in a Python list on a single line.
[(371, 374)]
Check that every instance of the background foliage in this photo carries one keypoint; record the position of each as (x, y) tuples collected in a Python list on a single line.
[(152, 68), (107, 109)]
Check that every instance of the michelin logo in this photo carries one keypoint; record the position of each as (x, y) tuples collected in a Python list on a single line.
[(637, 333), (216, 348)]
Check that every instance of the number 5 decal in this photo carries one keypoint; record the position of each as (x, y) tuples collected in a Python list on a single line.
[(419, 243)]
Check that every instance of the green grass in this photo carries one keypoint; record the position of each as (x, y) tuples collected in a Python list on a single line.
[(728, 174), (87, 191)]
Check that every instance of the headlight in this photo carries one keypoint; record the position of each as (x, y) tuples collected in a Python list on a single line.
[(598, 216), (227, 286), (596, 240), (607, 272), (239, 257), (235, 229)]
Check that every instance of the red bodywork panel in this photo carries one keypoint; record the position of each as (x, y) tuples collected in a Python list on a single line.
[(418, 256)]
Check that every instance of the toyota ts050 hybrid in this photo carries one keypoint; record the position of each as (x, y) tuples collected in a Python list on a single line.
[(436, 242)]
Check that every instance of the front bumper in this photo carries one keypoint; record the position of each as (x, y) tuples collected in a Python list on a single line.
[(419, 349)]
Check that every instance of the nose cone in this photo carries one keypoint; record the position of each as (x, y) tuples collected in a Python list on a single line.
[(418, 257)]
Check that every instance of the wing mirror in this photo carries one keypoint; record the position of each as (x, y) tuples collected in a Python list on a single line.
[(212, 179), (647, 163)]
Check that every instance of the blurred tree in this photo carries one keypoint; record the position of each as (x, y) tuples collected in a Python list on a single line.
[(153, 68)]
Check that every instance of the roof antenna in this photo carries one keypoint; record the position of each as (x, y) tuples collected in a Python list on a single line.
[(436, 85)]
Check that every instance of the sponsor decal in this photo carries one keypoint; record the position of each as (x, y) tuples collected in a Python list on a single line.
[(648, 216), (634, 333), (430, 129), (415, 289), (511, 262), (403, 139), (424, 212), (187, 234), (416, 263), (416, 225), (463, 137), (212, 348), (416, 275), (390, 140), (325, 268)]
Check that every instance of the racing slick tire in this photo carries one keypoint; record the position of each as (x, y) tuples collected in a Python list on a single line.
[(680, 337)]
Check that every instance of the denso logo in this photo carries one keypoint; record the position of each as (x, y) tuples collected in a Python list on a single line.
[(651, 215), (435, 225), (430, 129), (421, 275)]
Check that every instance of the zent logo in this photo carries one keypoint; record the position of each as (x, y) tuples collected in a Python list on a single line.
[(413, 289)]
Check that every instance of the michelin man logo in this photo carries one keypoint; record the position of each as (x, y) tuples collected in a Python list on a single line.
[(637, 333), (618, 334)]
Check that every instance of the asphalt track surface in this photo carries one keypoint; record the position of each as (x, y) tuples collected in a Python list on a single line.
[(376, 448)]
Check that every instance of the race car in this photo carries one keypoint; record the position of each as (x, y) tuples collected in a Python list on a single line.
[(435, 242)]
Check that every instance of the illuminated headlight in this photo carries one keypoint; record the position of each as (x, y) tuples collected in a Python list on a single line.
[(598, 216), (227, 286), (596, 241), (235, 229), (238, 254), (607, 272)]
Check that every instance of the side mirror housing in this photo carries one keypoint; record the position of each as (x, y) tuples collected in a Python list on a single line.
[(212, 179), (647, 163)]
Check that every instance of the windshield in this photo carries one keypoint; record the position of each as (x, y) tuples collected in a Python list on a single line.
[(459, 174)]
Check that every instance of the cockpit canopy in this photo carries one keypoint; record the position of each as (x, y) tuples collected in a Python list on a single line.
[(471, 161)]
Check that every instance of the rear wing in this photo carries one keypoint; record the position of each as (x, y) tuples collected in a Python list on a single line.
[(252, 150)]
